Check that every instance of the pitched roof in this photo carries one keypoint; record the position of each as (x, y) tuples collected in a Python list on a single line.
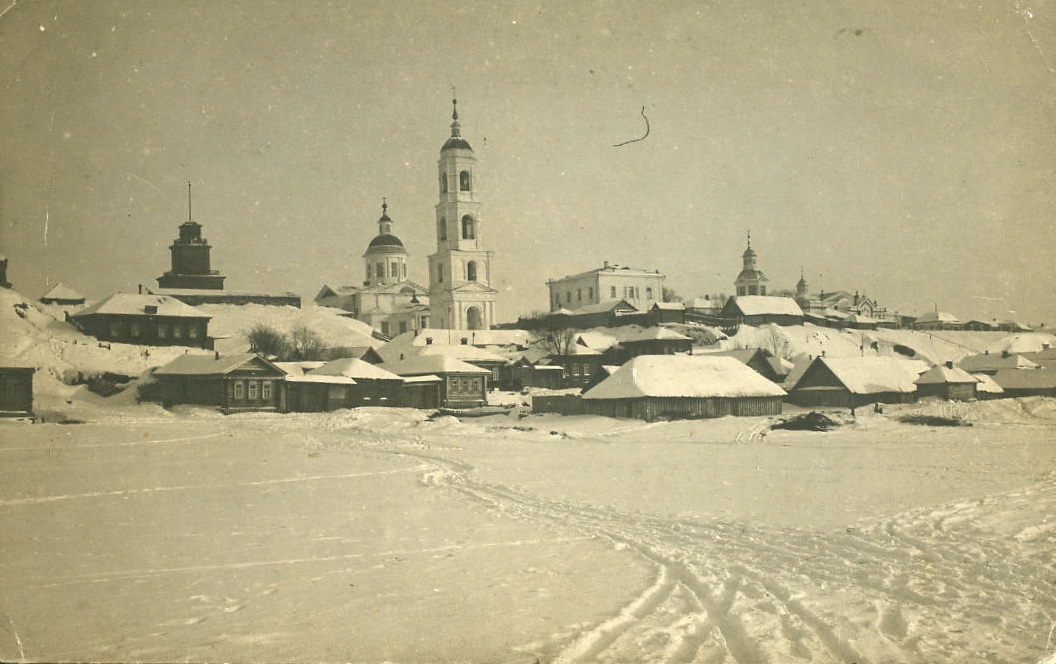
[(995, 361), (463, 352), (870, 375), (210, 365), (432, 364), (759, 305), (61, 291), (652, 334), (941, 374), (474, 337), (670, 306), (685, 376), (326, 379), (1026, 379), (352, 367), (987, 384), (133, 304), (937, 317), (299, 368)]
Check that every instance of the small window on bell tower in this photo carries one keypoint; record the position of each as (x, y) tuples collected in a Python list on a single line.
[(465, 182), (443, 228), (467, 228), (443, 183)]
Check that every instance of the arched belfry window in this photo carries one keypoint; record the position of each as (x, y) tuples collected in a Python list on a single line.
[(443, 183), (440, 272), (443, 228), (471, 271), (468, 232), (465, 182)]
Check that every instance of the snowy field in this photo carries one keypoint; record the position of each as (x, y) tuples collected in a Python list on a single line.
[(381, 535)]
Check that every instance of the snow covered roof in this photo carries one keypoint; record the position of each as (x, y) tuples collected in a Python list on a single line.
[(463, 352), (758, 305), (61, 291), (870, 375), (432, 364), (353, 368), (987, 384), (683, 376), (428, 378), (937, 317), (474, 337), (1025, 379), (670, 306), (1023, 343), (176, 292), (861, 318), (941, 374), (703, 303), (133, 304), (653, 334), (994, 362), (209, 365), (596, 340), (326, 379), (299, 368)]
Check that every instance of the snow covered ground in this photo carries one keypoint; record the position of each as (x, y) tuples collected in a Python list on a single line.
[(382, 535)]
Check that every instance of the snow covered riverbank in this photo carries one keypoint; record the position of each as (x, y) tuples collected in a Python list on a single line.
[(382, 535)]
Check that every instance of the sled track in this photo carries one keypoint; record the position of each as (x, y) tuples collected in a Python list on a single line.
[(723, 592)]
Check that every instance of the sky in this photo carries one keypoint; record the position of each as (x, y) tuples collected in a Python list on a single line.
[(905, 150)]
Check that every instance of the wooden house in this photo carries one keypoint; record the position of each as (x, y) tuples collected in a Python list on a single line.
[(990, 363), (62, 295), (603, 314), (668, 312), (937, 320), (849, 382), (422, 391), (986, 388), (761, 310), (525, 373), (759, 360), (580, 363), (652, 387), (373, 385), (1026, 382), (655, 341), (947, 382), (306, 393), (463, 385), (240, 381), (153, 320), (16, 389)]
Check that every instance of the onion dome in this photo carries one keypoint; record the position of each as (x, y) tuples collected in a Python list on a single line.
[(385, 242)]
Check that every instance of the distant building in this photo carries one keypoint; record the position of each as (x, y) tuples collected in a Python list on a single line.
[(153, 320), (191, 266), (609, 283), (237, 382), (462, 384), (937, 320), (63, 295), (460, 293), (751, 280), (990, 363), (761, 310), (196, 296), (947, 382), (16, 389), (650, 387), (387, 300), (850, 382)]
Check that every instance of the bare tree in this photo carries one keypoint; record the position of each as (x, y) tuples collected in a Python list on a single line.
[(773, 340), (669, 294), (560, 341), (266, 340), (306, 344)]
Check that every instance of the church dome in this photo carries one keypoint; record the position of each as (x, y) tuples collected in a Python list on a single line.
[(386, 243), (456, 143), (752, 275)]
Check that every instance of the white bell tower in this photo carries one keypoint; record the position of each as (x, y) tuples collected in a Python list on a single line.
[(460, 292)]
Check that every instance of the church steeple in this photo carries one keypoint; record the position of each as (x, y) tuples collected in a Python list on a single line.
[(190, 258), (751, 280), (460, 292)]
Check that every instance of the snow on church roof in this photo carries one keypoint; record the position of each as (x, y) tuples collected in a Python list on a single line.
[(683, 376)]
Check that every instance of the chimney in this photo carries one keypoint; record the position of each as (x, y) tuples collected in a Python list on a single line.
[(1005, 353), (606, 265), (141, 289), (216, 355), (949, 364)]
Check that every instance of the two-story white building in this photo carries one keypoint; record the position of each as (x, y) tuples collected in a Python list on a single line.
[(642, 288)]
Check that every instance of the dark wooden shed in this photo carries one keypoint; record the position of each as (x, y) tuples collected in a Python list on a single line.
[(16, 389), (849, 382), (948, 382)]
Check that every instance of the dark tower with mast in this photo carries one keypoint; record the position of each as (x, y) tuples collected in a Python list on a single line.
[(190, 258)]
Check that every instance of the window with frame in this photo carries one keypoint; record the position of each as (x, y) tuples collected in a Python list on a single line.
[(579, 295), (648, 293), (385, 328), (443, 228), (194, 331), (239, 388), (465, 181), (612, 291), (590, 292), (115, 329), (440, 272), (369, 272), (265, 390), (134, 329), (403, 326), (177, 331), (456, 384), (443, 183), (468, 232), (254, 390), (163, 330)]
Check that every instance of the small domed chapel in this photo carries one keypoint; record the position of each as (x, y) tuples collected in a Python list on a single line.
[(460, 295)]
